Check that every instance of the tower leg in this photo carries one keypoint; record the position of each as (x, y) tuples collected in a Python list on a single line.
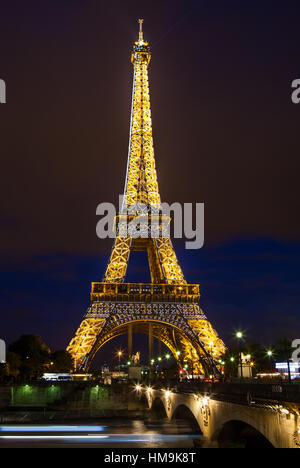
[(150, 338), (129, 341), (159, 348)]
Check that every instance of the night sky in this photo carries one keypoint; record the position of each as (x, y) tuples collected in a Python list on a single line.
[(226, 133)]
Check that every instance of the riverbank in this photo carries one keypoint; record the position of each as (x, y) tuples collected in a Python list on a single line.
[(44, 401)]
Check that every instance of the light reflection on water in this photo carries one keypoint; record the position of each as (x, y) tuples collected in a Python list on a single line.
[(48, 428), (105, 433)]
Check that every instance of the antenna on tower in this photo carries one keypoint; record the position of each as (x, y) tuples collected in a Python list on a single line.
[(141, 39)]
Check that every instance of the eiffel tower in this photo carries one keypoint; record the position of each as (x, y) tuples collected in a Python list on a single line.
[(167, 308)]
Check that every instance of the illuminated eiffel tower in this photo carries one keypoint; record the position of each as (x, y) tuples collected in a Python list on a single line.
[(167, 308)]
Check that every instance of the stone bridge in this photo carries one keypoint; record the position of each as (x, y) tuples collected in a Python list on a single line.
[(231, 420)]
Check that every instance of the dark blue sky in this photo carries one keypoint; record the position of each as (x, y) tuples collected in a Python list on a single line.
[(225, 133)]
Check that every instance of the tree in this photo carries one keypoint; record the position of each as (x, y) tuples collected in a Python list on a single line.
[(34, 355), (3, 371), (231, 361), (61, 361), (14, 363), (283, 350), (259, 357)]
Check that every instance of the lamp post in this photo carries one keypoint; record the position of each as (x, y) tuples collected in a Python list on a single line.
[(211, 345), (119, 357), (269, 354), (179, 364), (239, 336), (252, 364), (151, 370), (232, 366), (158, 368)]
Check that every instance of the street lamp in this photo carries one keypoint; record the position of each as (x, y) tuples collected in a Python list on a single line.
[(270, 356), (239, 336), (119, 357), (178, 354)]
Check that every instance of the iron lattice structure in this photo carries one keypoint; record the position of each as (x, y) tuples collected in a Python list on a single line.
[(167, 308)]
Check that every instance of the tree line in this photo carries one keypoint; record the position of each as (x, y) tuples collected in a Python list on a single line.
[(261, 358), (29, 358)]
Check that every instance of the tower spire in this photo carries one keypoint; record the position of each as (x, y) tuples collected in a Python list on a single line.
[(141, 39), (141, 186)]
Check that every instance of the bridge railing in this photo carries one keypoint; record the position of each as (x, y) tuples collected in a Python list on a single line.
[(276, 391), (235, 391)]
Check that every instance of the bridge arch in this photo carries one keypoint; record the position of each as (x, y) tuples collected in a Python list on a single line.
[(158, 408), (178, 406), (161, 408), (183, 412), (237, 433)]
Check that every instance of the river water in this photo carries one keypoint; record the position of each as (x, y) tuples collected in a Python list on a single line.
[(105, 433)]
